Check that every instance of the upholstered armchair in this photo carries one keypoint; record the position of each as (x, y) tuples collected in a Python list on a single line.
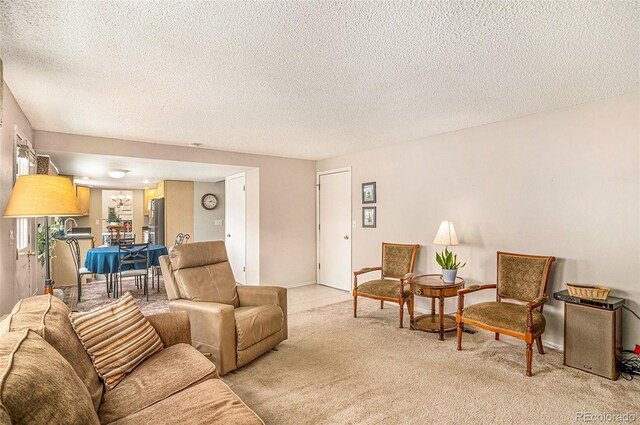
[(398, 262), (520, 278), (232, 324)]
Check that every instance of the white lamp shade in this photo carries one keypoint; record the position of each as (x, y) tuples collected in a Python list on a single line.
[(446, 234)]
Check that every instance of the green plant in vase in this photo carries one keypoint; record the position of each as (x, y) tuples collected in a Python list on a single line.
[(450, 265), (113, 217)]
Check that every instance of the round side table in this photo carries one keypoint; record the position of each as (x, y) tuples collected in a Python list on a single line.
[(432, 286)]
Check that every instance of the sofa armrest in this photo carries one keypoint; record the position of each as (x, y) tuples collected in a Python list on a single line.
[(213, 330), (261, 295), (173, 328)]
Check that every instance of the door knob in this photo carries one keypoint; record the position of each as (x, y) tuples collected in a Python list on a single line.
[(346, 237)]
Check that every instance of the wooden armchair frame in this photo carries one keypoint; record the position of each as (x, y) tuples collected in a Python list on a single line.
[(401, 299), (538, 304)]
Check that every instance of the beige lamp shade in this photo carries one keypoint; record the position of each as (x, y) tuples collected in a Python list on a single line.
[(446, 234), (39, 195)]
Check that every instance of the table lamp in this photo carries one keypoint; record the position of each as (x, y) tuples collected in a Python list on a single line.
[(447, 260), (446, 235), (41, 195)]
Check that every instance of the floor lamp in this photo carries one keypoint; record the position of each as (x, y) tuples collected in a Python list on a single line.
[(40, 195)]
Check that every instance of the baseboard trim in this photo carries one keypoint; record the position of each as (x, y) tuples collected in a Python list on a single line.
[(296, 285)]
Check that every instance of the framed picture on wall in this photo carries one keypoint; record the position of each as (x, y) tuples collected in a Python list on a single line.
[(369, 193), (369, 217)]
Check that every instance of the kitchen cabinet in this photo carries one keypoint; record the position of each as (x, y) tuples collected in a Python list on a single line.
[(160, 190), (149, 194), (84, 198), (178, 209)]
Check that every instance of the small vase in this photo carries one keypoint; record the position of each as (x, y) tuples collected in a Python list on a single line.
[(449, 276)]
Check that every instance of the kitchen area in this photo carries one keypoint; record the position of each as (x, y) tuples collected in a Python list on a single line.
[(155, 214)]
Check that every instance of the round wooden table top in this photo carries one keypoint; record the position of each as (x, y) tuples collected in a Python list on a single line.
[(434, 281)]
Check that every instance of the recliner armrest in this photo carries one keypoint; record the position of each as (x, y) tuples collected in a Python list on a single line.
[(213, 330), (261, 295)]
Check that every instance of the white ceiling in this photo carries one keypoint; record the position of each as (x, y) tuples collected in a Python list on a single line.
[(309, 79), (95, 167)]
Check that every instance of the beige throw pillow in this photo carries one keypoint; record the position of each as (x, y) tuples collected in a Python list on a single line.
[(38, 386), (117, 337)]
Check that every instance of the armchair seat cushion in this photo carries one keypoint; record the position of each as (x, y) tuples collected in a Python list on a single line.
[(253, 324), (386, 288), (505, 315), (166, 373)]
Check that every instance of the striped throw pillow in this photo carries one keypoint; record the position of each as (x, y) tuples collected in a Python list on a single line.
[(117, 337)]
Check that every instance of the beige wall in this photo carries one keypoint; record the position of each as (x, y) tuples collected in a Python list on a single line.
[(11, 115), (563, 183), (204, 221), (287, 197)]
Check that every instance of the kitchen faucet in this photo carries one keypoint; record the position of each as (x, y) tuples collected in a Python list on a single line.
[(65, 224)]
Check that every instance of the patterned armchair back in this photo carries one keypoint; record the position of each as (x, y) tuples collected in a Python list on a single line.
[(522, 277), (398, 259)]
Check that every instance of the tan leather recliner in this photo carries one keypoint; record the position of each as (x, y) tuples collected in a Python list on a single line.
[(234, 323)]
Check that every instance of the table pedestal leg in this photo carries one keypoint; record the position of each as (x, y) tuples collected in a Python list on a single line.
[(441, 313)]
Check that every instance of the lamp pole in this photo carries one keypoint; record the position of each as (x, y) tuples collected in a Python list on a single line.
[(48, 283)]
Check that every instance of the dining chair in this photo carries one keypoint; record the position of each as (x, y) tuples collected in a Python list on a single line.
[(74, 247), (133, 261), (116, 232), (126, 240)]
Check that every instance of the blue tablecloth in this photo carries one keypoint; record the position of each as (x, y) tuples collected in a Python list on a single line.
[(104, 260)]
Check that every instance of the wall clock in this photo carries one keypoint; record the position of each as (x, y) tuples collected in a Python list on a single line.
[(209, 201)]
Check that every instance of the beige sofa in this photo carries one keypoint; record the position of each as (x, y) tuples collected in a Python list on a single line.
[(47, 376), (232, 323)]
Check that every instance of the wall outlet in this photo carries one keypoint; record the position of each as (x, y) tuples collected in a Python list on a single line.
[(218, 222), (97, 221)]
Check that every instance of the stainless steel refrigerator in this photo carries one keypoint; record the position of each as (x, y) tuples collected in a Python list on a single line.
[(156, 221)]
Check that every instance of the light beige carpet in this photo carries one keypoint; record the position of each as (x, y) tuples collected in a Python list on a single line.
[(335, 369)]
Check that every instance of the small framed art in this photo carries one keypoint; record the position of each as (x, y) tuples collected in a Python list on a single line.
[(369, 217), (369, 193)]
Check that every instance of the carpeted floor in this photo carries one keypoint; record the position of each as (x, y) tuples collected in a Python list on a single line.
[(335, 369), (94, 294)]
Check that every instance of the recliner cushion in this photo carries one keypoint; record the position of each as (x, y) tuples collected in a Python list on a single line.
[(505, 315), (201, 272), (197, 254), (170, 371), (211, 283), (253, 324)]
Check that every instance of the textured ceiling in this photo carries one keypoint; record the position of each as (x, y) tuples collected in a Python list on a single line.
[(309, 79)]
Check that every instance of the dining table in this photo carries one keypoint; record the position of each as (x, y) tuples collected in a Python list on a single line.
[(106, 260)]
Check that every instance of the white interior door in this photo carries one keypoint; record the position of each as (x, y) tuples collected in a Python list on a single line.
[(25, 272), (334, 229), (235, 229)]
